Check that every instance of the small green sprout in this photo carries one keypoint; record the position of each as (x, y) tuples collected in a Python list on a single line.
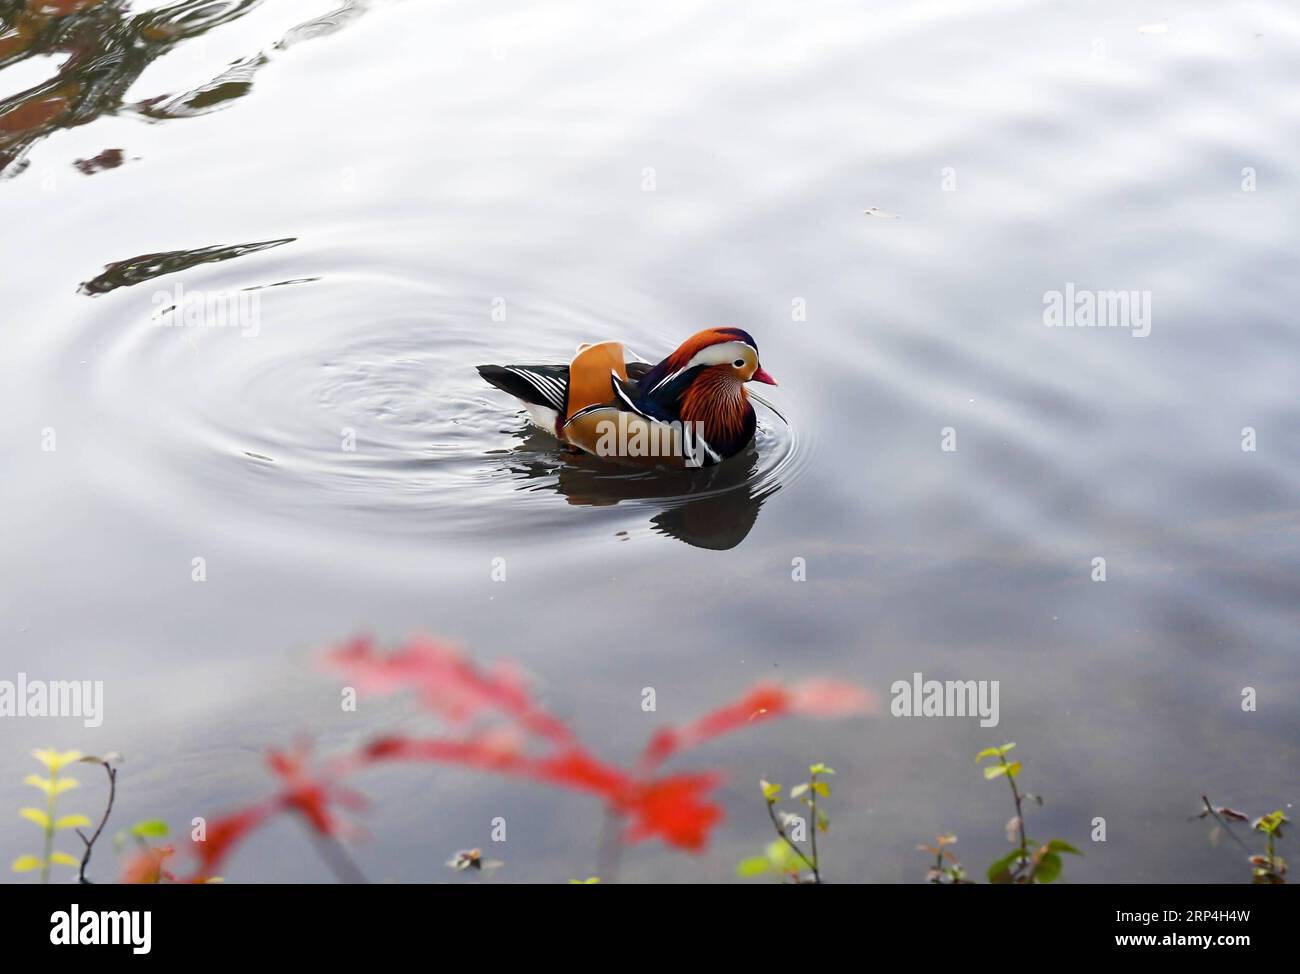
[(48, 820), (1030, 861), (946, 871), (784, 857), (1270, 868), (1267, 869)]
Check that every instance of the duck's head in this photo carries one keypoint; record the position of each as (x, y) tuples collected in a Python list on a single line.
[(729, 350)]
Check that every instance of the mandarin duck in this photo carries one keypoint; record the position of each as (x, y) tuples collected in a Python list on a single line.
[(690, 410)]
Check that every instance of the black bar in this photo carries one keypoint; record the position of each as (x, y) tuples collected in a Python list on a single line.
[(461, 923)]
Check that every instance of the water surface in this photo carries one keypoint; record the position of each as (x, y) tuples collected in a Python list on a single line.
[(411, 189)]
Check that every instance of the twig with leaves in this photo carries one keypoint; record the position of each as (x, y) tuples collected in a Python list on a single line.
[(784, 856), (949, 872), (1043, 864), (53, 786), (107, 763), (1269, 868)]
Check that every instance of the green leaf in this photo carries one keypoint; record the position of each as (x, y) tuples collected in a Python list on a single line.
[(63, 859), (995, 771), (1272, 822), (1000, 871), (154, 828), (780, 855), (1013, 768), (36, 781), (994, 752), (820, 768), (821, 788), (754, 866), (35, 815), (72, 822), (51, 787), (25, 864), (55, 761), (1049, 868), (1059, 845), (589, 881), (798, 790)]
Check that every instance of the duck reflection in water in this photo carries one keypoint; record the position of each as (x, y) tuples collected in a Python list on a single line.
[(711, 507)]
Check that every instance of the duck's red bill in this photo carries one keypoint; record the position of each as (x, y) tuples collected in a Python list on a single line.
[(762, 376)]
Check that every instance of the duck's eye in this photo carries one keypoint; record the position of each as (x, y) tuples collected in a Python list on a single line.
[(739, 363)]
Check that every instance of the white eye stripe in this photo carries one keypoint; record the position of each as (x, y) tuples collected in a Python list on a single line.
[(721, 354)]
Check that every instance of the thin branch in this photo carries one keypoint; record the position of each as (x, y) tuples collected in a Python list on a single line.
[(817, 877), (780, 830), (1224, 825), (336, 857), (1020, 816), (90, 843), (610, 848)]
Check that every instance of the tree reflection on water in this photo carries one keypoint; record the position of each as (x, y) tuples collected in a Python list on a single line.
[(104, 49)]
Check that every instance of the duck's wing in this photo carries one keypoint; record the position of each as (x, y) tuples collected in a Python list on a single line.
[(636, 371), (605, 400), (592, 375), (540, 385), (548, 385)]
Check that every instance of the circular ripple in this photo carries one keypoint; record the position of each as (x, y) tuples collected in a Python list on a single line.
[(353, 402)]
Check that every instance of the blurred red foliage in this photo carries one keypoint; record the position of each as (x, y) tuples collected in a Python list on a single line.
[(502, 729), (148, 866)]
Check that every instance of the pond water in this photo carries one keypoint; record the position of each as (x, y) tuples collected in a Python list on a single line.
[(885, 195)]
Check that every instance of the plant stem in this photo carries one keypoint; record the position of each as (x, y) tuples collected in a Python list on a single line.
[(90, 843), (337, 858), (812, 786), (609, 849), (49, 828), (780, 830), (1223, 825), (1020, 813)]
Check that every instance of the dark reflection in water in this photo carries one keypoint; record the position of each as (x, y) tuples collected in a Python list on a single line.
[(108, 159), (107, 49), (137, 270), (715, 507)]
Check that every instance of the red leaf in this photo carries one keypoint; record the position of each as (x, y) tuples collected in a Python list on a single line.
[(448, 683), (813, 698), (494, 751), (225, 833), (309, 796), (572, 768), (578, 770), (829, 699), (146, 867), (674, 809)]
